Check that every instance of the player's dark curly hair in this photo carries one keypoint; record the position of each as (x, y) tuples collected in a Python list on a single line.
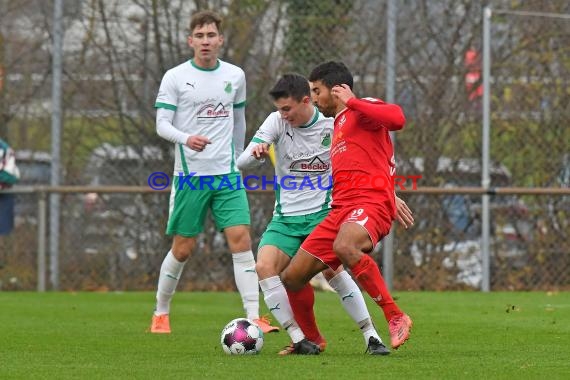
[(291, 85), (332, 73)]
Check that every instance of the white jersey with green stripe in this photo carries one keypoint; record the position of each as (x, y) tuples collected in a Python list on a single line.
[(203, 102), (302, 163)]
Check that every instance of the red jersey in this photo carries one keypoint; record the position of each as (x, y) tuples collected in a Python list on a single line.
[(362, 155)]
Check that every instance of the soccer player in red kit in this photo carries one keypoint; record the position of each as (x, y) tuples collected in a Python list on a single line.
[(363, 195)]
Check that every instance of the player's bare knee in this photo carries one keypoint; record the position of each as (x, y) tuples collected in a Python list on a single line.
[(182, 247), (239, 239), (181, 253), (290, 282), (244, 243), (264, 269), (240, 243), (346, 252), (342, 248)]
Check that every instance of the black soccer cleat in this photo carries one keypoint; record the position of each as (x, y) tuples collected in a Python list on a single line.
[(375, 347), (306, 347)]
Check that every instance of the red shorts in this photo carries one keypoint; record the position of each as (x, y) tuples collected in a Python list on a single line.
[(373, 217)]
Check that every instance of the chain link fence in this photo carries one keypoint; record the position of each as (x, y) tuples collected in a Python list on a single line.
[(115, 53)]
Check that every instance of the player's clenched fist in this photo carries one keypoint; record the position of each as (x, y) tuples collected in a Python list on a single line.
[(197, 142), (343, 92), (260, 151)]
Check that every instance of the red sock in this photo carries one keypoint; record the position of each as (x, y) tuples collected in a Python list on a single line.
[(368, 276), (302, 303)]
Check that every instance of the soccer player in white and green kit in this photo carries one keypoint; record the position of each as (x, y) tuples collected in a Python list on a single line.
[(301, 136), (201, 109)]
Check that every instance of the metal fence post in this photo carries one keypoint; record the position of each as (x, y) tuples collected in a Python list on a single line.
[(485, 178), (388, 249), (42, 241), (56, 141)]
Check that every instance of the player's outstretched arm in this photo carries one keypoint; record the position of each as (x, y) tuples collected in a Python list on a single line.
[(258, 149), (253, 156)]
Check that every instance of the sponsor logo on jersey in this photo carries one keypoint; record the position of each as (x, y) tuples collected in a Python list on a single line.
[(211, 112), (337, 136), (313, 165)]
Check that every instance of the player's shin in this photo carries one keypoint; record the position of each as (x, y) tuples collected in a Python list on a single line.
[(276, 299), (302, 303), (353, 302), (247, 282), (367, 273), (170, 272)]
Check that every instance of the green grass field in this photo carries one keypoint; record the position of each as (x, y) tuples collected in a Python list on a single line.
[(457, 335)]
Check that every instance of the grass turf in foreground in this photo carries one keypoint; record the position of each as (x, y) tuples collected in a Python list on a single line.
[(456, 335)]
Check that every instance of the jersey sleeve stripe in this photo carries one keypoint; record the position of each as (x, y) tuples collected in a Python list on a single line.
[(239, 105), (258, 140), (165, 105)]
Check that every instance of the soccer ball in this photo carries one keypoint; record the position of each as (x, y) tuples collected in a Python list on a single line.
[(241, 337)]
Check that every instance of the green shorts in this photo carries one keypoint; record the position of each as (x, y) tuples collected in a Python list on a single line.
[(189, 204), (288, 232)]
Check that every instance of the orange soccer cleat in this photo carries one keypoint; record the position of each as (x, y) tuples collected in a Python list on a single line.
[(160, 324), (264, 324), (400, 327)]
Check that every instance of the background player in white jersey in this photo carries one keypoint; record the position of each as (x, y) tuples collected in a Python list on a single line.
[(301, 137), (201, 109)]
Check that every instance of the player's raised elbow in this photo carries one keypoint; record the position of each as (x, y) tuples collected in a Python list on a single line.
[(398, 120), (246, 161), (241, 162), (160, 130)]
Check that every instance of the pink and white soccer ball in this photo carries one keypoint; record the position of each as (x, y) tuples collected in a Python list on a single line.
[(241, 337)]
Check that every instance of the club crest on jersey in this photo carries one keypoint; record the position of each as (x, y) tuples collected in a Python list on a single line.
[(228, 87), (326, 139), (310, 165)]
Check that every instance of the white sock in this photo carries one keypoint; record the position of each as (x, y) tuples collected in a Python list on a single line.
[(277, 301), (353, 302), (247, 282), (170, 272)]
